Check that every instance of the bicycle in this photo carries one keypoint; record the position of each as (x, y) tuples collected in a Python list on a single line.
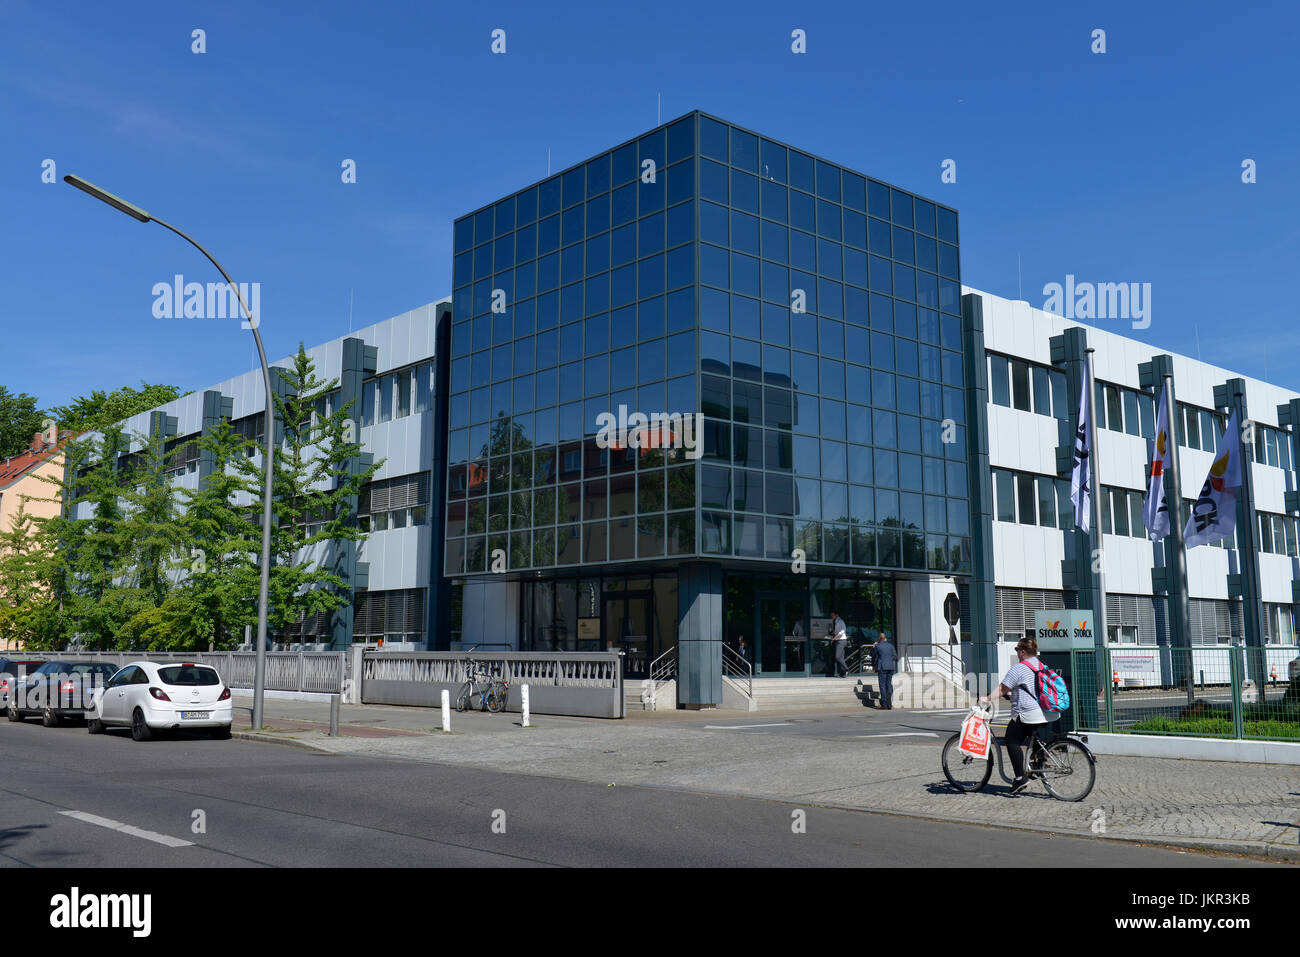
[(492, 690), (1063, 763)]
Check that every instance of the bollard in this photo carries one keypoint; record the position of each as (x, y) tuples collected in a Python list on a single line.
[(334, 716), (446, 711), (523, 694)]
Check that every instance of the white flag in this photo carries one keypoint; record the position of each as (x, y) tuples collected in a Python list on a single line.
[(1079, 482), (1214, 516), (1156, 512)]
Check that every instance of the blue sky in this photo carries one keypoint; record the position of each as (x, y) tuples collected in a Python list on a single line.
[(1118, 167)]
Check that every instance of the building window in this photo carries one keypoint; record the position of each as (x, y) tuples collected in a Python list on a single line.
[(1020, 385), (401, 502), (1003, 484), (1000, 380), (1025, 496), (396, 395), (396, 615)]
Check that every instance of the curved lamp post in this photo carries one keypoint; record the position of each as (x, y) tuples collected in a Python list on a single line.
[(138, 214)]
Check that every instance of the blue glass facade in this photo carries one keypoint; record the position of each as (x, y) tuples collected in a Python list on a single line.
[(809, 313)]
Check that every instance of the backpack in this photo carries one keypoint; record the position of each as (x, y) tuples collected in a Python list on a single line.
[(1050, 690)]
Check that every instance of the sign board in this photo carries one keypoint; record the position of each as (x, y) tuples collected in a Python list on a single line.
[(952, 609), (1064, 628), (589, 629), (1133, 663)]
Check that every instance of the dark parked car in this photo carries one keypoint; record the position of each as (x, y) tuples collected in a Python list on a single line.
[(59, 690), (11, 669)]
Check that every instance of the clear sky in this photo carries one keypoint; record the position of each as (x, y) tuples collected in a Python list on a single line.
[(1117, 167)]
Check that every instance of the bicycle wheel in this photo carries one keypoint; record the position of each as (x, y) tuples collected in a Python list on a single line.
[(962, 771), (462, 698), (1069, 770), (497, 699)]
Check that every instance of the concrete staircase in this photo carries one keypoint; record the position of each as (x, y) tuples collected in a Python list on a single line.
[(770, 694), (634, 695), (773, 694)]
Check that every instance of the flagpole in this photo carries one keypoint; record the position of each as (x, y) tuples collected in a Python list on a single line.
[(1094, 469), (1175, 546)]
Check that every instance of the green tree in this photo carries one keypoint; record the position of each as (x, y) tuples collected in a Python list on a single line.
[(27, 569), (19, 421), (150, 527), (101, 410), (313, 481), (219, 596), (96, 591)]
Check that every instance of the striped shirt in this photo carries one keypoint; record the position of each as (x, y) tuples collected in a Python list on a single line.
[(1021, 681)]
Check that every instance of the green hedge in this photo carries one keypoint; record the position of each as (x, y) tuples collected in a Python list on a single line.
[(1220, 726)]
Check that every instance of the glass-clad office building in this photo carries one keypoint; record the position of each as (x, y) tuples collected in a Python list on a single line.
[(810, 316)]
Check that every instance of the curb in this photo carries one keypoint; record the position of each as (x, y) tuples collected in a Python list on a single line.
[(1252, 849), (268, 739)]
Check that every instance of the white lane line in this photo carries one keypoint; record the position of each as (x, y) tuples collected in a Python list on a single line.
[(127, 829), (900, 734), (741, 727)]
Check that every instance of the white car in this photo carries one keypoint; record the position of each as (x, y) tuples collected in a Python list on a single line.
[(149, 696)]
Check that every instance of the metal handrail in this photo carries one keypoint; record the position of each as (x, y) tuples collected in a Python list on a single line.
[(734, 665), (955, 668), (856, 659), (663, 668)]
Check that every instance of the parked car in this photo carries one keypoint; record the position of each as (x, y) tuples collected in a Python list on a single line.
[(148, 696), (57, 690), (1293, 669), (11, 669)]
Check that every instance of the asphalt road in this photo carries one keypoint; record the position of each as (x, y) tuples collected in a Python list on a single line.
[(66, 797)]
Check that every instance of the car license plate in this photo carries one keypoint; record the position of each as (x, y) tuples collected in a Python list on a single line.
[(200, 715)]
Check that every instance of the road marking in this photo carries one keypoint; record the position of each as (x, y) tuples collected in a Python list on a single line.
[(900, 734), (741, 727), (127, 829)]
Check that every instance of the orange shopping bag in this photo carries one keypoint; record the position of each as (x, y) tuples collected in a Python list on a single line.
[(974, 737)]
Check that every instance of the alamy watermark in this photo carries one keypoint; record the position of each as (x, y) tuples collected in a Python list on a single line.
[(659, 430), (214, 300), (1100, 300)]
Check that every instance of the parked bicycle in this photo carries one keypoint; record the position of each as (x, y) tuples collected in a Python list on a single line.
[(1063, 763), (491, 690)]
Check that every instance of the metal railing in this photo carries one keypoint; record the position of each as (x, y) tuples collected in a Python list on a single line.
[(946, 663), (663, 668), (736, 666), (1219, 691), (857, 660), (314, 671), (563, 682)]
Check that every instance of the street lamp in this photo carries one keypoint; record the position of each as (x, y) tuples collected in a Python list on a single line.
[(138, 214)]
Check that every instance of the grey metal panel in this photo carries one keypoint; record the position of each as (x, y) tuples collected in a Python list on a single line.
[(983, 610), (699, 634)]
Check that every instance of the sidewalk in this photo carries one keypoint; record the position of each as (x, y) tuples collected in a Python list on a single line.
[(1232, 808)]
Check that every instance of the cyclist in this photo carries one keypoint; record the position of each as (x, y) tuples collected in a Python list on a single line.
[(1026, 716)]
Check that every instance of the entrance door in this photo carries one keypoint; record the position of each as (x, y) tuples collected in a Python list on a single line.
[(783, 623), (628, 629)]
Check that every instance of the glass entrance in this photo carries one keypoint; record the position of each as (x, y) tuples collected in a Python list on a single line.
[(783, 631), (627, 621)]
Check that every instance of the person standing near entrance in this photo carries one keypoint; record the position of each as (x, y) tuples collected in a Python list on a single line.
[(839, 640), (886, 663)]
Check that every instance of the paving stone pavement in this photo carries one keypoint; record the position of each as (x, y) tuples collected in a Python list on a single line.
[(1245, 808)]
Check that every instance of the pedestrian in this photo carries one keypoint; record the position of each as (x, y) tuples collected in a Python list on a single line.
[(886, 663), (742, 648), (839, 640), (1026, 716)]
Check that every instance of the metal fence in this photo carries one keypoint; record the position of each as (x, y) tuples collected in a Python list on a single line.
[(318, 671), (565, 682), (1224, 692)]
